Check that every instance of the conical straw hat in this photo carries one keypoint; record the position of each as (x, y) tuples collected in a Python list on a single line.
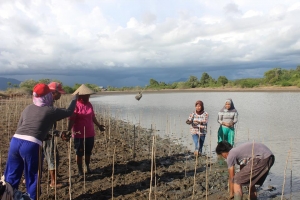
[(83, 90)]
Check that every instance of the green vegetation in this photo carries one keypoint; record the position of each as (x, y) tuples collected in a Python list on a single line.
[(274, 77)]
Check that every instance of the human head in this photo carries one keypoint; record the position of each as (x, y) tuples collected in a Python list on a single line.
[(40, 90), (56, 89), (223, 148), (199, 106), (83, 98), (42, 95)]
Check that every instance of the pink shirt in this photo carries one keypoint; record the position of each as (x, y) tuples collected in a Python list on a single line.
[(83, 120)]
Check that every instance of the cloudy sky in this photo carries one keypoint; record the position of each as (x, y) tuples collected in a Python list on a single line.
[(127, 42)]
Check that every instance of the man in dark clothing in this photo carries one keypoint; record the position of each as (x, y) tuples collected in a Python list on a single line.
[(255, 161)]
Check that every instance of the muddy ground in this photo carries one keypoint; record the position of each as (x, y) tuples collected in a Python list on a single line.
[(121, 165)]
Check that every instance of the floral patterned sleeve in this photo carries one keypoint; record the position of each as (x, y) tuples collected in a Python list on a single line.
[(204, 120)]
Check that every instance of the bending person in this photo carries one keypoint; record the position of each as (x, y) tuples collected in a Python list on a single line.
[(82, 125), (227, 118), (26, 144), (198, 121), (255, 161)]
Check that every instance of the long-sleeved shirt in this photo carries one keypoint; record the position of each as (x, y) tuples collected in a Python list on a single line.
[(83, 120), (228, 117), (199, 123), (36, 122)]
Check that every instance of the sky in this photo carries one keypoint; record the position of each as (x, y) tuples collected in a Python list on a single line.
[(127, 42)]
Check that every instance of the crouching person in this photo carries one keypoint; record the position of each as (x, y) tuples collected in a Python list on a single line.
[(253, 169)]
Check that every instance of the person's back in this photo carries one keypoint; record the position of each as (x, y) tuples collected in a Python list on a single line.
[(241, 154)]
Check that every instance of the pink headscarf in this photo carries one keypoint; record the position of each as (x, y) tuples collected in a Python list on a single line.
[(46, 100)]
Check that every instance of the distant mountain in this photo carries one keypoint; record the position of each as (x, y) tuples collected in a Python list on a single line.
[(4, 81)]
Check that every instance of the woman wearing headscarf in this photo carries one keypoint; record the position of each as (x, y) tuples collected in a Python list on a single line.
[(25, 147), (198, 121), (82, 125), (227, 118)]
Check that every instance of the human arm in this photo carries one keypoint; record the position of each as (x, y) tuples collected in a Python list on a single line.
[(61, 113), (220, 118), (235, 118), (101, 127), (190, 119), (230, 181)]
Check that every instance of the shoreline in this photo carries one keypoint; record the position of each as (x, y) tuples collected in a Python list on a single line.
[(258, 89)]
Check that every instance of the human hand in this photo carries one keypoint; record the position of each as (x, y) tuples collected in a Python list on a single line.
[(188, 122), (101, 127), (66, 135)]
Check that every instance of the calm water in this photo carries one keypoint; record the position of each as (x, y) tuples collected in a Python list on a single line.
[(268, 117)]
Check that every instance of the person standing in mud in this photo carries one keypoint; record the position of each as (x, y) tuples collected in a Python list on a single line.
[(48, 144), (198, 121), (25, 151), (227, 118), (82, 125), (255, 161)]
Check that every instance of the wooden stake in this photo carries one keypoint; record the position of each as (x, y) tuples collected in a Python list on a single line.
[(112, 176), (252, 157), (206, 179), (195, 171), (70, 182), (150, 190), (83, 160), (286, 163)]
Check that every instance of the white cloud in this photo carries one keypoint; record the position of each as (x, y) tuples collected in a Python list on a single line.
[(94, 34)]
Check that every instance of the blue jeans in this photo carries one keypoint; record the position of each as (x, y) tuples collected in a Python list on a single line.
[(198, 140), (23, 155)]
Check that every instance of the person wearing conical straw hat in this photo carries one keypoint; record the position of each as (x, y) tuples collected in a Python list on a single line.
[(26, 144), (82, 125)]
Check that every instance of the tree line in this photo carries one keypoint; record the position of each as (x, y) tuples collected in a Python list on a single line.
[(30, 83), (274, 77)]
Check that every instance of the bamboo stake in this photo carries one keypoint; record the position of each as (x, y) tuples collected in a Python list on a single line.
[(155, 161), (286, 163), (210, 149), (55, 167), (150, 190), (206, 179), (39, 174), (195, 171), (248, 134), (112, 176), (291, 179), (251, 169), (109, 125), (70, 182), (0, 162), (84, 158)]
